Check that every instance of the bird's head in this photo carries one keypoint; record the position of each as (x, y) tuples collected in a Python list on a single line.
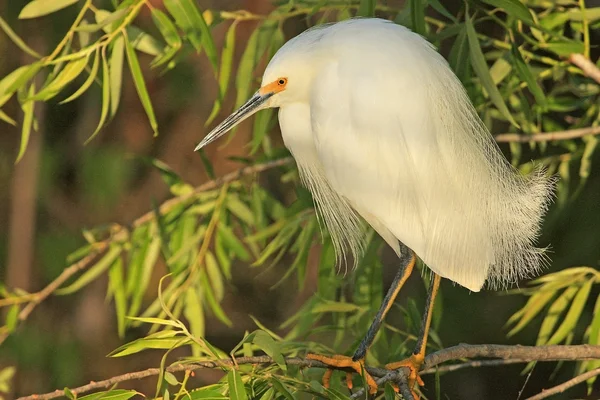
[(286, 80)]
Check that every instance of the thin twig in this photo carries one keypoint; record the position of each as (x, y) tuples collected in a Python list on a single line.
[(470, 364), (118, 231), (565, 385), (548, 136), (462, 351), (586, 65)]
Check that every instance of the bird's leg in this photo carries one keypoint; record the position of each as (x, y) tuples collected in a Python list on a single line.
[(415, 361), (356, 362)]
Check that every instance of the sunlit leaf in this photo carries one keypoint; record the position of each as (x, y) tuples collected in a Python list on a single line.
[(105, 97), (115, 394), (190, 20), (573, 314), (66, 75), (6, 118), (7, 82), (17, 39), (37, 8), (526, 75), (148, 344), (116, 73), (167, 27), (27, 108), (88, 82)]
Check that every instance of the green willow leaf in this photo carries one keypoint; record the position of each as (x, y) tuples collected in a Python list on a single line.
[(116, 73), (116, 394), (245, 70), (70, 72), (6, 118), (157, 321), (190, 20), (526, 75), (194, 313), (570, 321), (480, 66), (38, 8), (117, 288), (105, 98), (212, 301), (7, 82), (272, 348), (531, 309), (103, 19), (26, 74), (237, 391), (140, 85), (88, 82), (149, 343), (553, 315), (27, 108), (282, 388), (92, 273), (514, 8), (166, 27), (564, 48), (224, 71), (17, 39)]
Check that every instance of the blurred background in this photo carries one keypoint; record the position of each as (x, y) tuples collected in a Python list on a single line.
[(62, 186)]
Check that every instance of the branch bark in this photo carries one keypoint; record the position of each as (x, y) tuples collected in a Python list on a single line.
[(586, 65), (548, 136), (521, 353), (566, 385)]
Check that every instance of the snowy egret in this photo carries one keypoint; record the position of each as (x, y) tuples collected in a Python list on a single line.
[(381, 128)]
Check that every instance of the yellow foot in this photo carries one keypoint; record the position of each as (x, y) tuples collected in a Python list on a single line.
[(413, 363), (344, 362)]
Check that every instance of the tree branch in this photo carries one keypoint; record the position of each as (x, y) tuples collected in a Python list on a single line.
[(462, 351), (586, 65), (548, 136), (566, 385), (101, 246)]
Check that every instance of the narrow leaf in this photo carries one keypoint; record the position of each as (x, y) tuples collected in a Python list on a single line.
[(116, 73), (116, 282), (66, 75), (570, 321), (88, 82), (37, 8), (236, 386), (140, 85), (92, 273), (105, 97), (526, 75), (27, 122), (480, 66)]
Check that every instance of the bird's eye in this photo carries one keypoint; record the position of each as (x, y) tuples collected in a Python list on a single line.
[(282, 81)]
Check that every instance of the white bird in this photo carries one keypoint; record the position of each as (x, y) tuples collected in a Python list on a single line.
[(382, 129)]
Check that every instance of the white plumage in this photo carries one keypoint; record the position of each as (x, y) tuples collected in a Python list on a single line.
[(381, 128)]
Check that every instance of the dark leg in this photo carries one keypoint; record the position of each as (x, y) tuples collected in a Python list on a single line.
[(356, 363), (408, 263), (416, 360)]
